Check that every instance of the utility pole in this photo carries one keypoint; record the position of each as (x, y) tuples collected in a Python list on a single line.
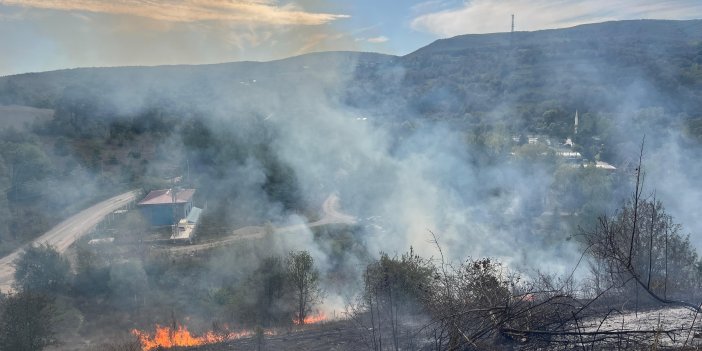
[(174, 198), (511, 34)]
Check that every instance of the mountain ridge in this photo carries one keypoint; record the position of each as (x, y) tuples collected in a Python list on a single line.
[(601, 67), (692, 28), (644, 28)]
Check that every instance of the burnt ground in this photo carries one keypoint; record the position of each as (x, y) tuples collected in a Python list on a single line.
[(337, 335), (346, 335)]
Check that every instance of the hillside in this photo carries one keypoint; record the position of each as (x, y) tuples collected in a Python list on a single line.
[(481, 184), (627, 79), (605, 67), (596, 67)]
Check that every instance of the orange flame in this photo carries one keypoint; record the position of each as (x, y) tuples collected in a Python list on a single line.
[(168, 337), (313, 319)]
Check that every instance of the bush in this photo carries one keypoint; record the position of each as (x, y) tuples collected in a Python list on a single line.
[(27, 322), (41, 269)]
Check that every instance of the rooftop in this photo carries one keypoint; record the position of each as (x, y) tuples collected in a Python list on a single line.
[(194, 215), (165, 196)]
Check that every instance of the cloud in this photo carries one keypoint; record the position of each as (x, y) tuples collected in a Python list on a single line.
[(377, 40), (486, 16), (433, 6), (245, 11)]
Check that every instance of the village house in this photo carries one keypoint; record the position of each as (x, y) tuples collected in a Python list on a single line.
[(166, 207)]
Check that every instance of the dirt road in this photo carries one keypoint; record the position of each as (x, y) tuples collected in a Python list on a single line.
[(331, 215), (67, 232)]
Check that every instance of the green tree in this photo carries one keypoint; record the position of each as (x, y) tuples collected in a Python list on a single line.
[(27, 322), (303, 277), (92, 271), (41, 269), (394, 288), (25, 163), (269, 284), (263, 297)]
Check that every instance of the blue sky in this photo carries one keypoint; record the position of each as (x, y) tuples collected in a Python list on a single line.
[(40, 35)]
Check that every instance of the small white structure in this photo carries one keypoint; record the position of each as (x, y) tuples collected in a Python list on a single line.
[(185, 230), (568, 154), (601, 165), (101, 241), (604, 165)]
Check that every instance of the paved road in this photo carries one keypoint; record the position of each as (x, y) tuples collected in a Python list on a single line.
[(67, 232), (331, 215)]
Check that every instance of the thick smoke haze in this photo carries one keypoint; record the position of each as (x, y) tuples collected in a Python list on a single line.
[(346, 124), (400, 188), (482, 177)]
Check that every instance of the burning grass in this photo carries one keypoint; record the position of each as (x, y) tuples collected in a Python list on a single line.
[(179, 335), (313, 319), (165, 337)]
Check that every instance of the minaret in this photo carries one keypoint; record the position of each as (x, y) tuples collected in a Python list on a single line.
[(576, 122)]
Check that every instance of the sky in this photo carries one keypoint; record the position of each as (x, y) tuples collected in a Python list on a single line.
[(41, 35)]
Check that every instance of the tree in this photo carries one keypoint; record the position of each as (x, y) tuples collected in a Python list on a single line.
[(394, 289), (41, 269), (263, 298), (641, 247), (26, 163), (469, 303), (92, 271), (304, 280), (27, 322), (271, 279)]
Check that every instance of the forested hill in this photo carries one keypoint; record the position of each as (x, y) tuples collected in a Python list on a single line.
[(186, 83), (652, 32), (613, 67), (531, 81)]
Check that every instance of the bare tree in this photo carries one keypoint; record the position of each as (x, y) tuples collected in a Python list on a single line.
[(641, 248)]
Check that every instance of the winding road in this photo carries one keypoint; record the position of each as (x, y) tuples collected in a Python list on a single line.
[(67, 232)]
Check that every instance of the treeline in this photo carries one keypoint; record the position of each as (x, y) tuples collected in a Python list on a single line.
[(533, 83), (281, 291)]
